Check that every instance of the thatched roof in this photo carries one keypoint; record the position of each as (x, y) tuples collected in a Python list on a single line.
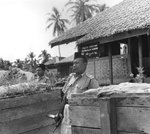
[(60, 60), (54, 60), (67, 60), (50, 62), (125, 16)]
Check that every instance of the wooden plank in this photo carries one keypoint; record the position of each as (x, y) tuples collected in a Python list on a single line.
[(80, 96), (140, 51), (83, 130), (133, 119), (108, 116), (29, 99), (42, 130), (110, 64), (148, 42), (129, 55), (84, 102), (27, 123), (86, 116), (128, 99), (139, 101), (127, 133), (113, 116), (123, 95), (29, 110)]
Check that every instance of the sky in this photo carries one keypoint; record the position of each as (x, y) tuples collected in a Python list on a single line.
[(22, 28)]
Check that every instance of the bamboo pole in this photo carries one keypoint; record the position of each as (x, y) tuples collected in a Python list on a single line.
[(110, 63), (129, 55), (140, 51)]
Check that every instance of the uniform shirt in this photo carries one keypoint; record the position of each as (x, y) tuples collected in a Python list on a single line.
[(75, 84), (79, 84), (43, 79)]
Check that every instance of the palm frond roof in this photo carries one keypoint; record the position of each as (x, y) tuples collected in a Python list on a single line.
[(126, 16), (67, 60)]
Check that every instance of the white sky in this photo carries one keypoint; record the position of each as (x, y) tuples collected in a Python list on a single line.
[(22, 28)]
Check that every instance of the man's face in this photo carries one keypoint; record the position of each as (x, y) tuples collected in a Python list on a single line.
[(40, 72), (79, 66)]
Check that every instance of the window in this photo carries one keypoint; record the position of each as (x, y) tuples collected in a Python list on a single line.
[(123, 48), (103, 50)]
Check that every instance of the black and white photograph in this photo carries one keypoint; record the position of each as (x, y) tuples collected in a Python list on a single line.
[(74, 66)]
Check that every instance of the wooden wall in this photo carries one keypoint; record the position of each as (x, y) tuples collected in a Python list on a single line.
[(118, 115), (28, 114), (100, 69)]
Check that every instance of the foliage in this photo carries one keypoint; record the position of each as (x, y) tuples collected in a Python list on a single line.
[(101, 8), (45, 56), (5, 64), (55, 19), (82, 9), (59, 24), (18, 63), (32, 62), (139, 77)]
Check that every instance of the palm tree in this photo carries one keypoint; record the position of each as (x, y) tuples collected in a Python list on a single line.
[(45, 56), (101, 8), (26, 64), (82, 10), (18, 63), (1, 63), (59, 24), (31, 57), (7, 64)]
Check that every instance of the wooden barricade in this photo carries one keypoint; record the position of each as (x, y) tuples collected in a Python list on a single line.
[(29, 114), (126, 114)]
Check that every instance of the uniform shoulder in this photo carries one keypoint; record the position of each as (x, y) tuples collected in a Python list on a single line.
[(90, 76), (72, 74)]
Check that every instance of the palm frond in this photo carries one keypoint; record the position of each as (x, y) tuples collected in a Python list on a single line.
[(58, 22), (50, 19), (65, 21), (54, 16), (69, 3), (55, 10), (49, 26)]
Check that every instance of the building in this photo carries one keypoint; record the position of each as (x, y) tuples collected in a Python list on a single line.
[(64, 66), (125, 25), (51, 64), (61, 66)]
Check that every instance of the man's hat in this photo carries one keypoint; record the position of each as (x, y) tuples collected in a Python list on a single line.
[(79, 55)]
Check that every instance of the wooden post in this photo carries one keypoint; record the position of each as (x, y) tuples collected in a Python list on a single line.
[(108, 116), (140, 51), (129, 55), (79, 48), (148, 42), (94, 68), (110, 64)]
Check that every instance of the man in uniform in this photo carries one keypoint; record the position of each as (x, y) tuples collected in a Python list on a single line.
[(77, 82), (41, 74)]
